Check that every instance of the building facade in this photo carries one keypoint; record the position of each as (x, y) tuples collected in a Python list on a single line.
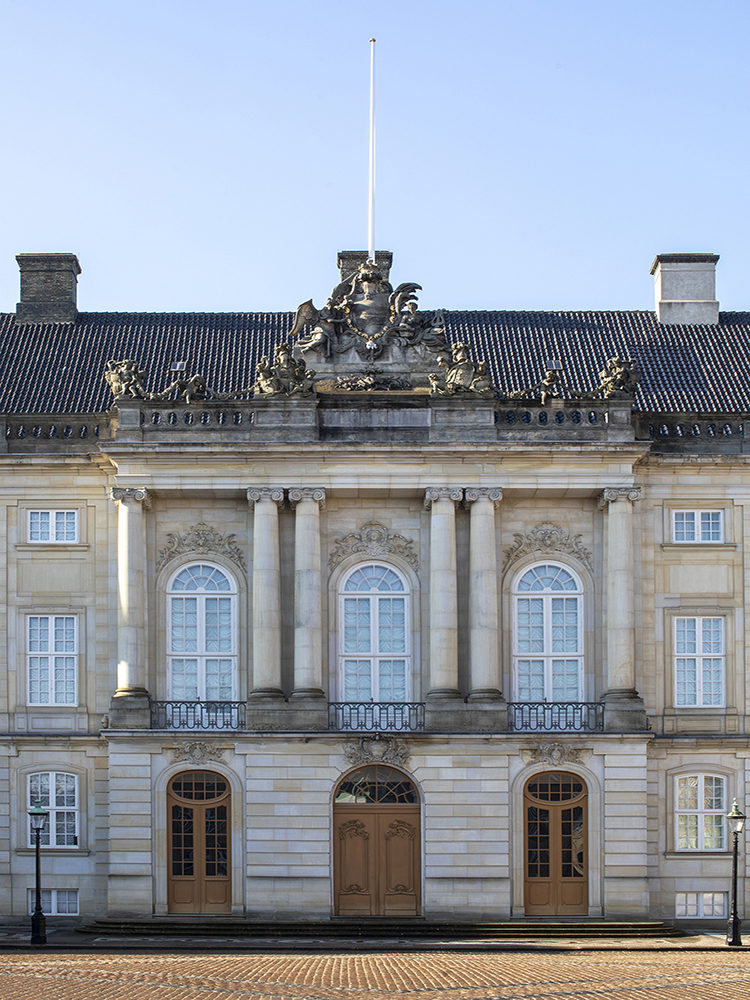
[(374, 612)]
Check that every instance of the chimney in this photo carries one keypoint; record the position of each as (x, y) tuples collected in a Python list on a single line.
[(349, 260), (49, 283), (685, 287)]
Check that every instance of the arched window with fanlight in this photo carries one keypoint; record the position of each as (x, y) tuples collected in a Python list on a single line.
[(202, 634), (374, 646), (548, 635)]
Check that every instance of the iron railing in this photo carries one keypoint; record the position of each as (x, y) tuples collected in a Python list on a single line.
[(376, 716), (556, 716), (197, 714)]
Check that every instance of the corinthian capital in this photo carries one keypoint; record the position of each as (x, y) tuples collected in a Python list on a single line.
[(122, 494), (316, 493), (434, 493), (264, 493), (613, 493), (492, 493)]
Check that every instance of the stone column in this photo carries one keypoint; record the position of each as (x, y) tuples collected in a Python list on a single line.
[(443, 594), (308, 625), (484, 645), (129, 708), (266, 593), (623, 710)]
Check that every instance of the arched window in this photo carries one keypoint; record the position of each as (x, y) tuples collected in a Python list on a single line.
[(374, 660), (548, 635), (202, 634)]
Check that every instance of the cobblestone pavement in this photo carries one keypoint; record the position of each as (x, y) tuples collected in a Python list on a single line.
[(623, 975)]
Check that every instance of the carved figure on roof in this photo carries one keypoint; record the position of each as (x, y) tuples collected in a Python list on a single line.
[(618, 379), (364, 312), (552, 386), (189, 389), (285, 376), (125, 378), (460, 375)]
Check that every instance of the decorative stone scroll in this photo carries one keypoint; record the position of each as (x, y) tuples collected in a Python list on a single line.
[(494, 494), (612, 493), (264, 493), (434, 493), (138, 494), (377, 750), (548, 537), (556, 754), (316, 493), (203, 539), (196, 752), (375, 540)]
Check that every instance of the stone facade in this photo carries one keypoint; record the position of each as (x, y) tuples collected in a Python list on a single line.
[(459, 503)]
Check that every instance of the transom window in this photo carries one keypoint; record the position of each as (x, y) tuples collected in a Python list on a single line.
[(52, 659), (377, 784), (701, 805), (202, 634), (374, 635), (548, 635), (697, 526), (699, 661), (53, 526), (57, 792)]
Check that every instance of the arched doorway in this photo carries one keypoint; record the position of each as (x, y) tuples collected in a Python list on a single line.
[(198, 812), (555, 845), (376, 844)]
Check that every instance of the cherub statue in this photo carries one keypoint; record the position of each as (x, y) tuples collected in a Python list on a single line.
[(285, 376), (460, 375), (618, 379), (125, 378)]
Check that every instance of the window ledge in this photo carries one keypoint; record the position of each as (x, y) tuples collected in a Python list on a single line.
[(53, 546), (54, 851), (698, 545), (702, 855)]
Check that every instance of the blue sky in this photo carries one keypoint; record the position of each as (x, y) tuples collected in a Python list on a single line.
[(531, 155)]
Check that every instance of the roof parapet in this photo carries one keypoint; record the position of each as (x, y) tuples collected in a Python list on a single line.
[(49, 285), (685, 288)]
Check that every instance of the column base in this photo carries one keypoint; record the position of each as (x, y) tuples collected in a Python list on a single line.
[(130, 710), (266, 694), (624, 712)]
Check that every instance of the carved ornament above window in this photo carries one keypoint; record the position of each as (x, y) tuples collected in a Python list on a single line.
[(201, 539), (375, 541), (548, 537)]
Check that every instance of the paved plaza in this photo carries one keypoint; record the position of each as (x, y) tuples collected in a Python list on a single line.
[(625, 975)]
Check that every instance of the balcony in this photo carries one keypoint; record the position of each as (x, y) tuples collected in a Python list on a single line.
[(376, 716), (198, 715), (555, 717)]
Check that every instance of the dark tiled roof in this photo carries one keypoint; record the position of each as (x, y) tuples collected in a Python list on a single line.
[(57, 368)]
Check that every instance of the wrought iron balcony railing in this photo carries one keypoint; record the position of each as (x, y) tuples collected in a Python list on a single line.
[(556, 716), (376, 716), (197, 714)]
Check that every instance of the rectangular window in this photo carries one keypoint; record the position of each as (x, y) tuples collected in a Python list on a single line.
[(699, 661), (53, 526), (700, 904), (55, 902), (57, 792), (52, 659), (697, 526), (700, 819)]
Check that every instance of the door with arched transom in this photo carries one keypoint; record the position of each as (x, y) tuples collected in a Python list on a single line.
[(376, 844), (556, 845), (198, 817)]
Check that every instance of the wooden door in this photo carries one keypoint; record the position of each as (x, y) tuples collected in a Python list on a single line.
[(555, 850), (377, 845), (198, 813)]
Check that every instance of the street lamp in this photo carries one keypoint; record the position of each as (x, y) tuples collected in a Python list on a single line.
[(736, 820), (38, 817)]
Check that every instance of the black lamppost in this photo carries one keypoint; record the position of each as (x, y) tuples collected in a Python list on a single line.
[(736, 820), (38, 817)]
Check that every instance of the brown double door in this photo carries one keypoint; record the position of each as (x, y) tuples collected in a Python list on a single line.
[(198, 815), (556, 855)]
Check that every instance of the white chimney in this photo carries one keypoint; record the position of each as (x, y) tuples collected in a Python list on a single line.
[(685, 288)]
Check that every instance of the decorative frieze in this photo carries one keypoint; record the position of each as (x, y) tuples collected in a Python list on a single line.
[(196, 752), (556, 754), (308, 493), (201, 539), (139, 495), (612, 493), (377, 750), (548, 537), (374, 540), (434, 493)]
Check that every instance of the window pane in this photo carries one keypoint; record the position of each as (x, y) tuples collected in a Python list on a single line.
[(184, 618), (687, 833), (684, 526), (713, 793), (219, 679), (565, 680), (218, 612), (184, 679), (65, 525), (530, 680), (64, 671), (357, 680), (713, 827), (357, 625), (712, 635), (391, 625), (39, 526), (39, 680), (65, 790), (530, 619), (64, 636), (38, 634), (711, 526), (686, 677), (686, 635), (392, 680)]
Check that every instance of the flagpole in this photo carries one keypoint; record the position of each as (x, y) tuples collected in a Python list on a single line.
[(371, 202)]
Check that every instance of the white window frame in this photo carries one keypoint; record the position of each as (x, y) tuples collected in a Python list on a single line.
[(202, 655), (51, 654), (49, 839), (700, 812), (700, 657), (682, 900), (375, 657), (547, 655), (52, 537), (50, 902), (700, 532)]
